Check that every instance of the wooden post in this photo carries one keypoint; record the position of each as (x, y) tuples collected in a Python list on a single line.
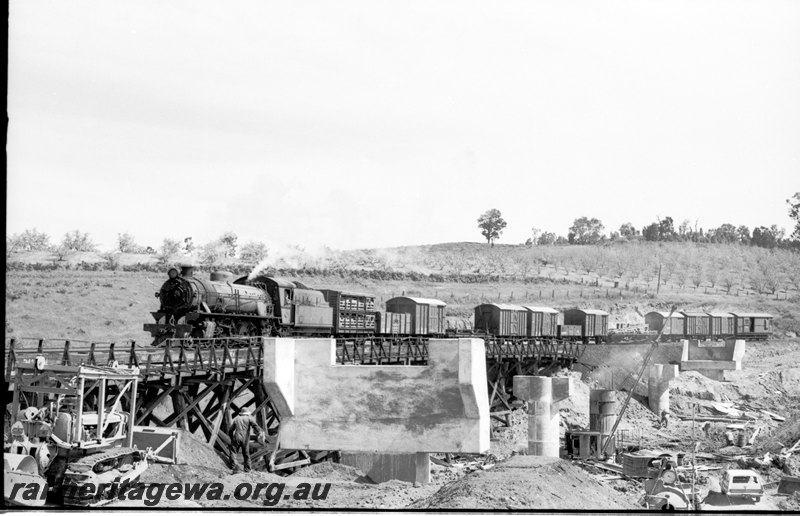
[(658, 281)]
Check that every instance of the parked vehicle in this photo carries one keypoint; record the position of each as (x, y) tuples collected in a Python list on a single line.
[(742, 482)]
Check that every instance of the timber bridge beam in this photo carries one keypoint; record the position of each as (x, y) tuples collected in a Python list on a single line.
[(197, 383)]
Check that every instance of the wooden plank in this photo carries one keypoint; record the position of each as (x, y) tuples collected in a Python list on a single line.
[(753, 437), (185, 409), (774, 416), (220, 417)]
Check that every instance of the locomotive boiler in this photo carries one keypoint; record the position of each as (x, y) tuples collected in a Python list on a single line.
[(197, 307)]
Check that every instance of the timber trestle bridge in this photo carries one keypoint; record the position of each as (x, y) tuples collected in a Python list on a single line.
[(197, 384)]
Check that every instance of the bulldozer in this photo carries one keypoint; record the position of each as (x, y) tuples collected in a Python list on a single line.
[(69, 435)]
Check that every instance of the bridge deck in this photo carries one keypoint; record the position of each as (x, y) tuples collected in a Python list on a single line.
[(243, 354)]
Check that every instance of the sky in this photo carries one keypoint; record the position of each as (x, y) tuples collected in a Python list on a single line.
[(379, 123)]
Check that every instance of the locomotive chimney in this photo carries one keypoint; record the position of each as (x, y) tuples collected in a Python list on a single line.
[(187, 271)]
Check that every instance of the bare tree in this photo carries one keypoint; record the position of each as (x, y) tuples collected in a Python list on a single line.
[(28, 240), (729, 280), (78, 241), (169, 248), (698, 275)]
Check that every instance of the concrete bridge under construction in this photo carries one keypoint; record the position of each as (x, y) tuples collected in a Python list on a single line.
[(196, 384)]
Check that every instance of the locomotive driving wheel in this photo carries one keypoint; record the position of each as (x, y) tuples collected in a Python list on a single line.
[(247, 329)]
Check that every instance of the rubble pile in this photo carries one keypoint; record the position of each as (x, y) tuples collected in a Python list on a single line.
[(194, 451), (542, 483), (332, 471)]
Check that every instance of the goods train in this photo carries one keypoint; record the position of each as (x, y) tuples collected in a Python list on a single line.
[(249, 306), (710, 325)]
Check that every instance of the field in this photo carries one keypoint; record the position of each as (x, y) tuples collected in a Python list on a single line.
[(91, 297)]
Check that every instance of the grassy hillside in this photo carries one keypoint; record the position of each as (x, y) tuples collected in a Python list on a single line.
[(102, 304)]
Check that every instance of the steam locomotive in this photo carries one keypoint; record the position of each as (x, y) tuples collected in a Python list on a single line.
[(223, 306)]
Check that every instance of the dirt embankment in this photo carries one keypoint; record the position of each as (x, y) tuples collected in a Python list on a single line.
[(525, 483), (508, 480)]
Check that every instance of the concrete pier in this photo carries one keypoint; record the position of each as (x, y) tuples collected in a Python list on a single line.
[(382, 467), (542, 394), (712, 358), (658, 386), (388, 417), (602, 413)]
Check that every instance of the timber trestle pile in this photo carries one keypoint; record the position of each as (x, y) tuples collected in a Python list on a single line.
[(197, 384)]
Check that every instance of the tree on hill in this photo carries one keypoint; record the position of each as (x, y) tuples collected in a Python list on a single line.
[(546, 238), (253, 252), (685, 229), (169, 248), (585, 231), (725, 234), (766, 237), (794, 214), (491, 224), (127, 244), (28, 240), (744, 234), (77, 241), (534, 239), (627, 230), (666, 229), (650, 233), (229, 242)]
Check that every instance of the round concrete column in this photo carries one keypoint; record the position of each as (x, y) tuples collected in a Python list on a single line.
[(657, 389), (602, 411), (542, 421)]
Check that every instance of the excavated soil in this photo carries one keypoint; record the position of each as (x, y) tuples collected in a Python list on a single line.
[(503, 479), (525, 483)]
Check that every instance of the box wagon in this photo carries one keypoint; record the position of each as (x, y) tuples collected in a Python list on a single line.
[(752, 325), (501, 319), (697, 324), (427, 315), (542, 321), (389, 323), (593, 323), (721, 324), (675, 328)]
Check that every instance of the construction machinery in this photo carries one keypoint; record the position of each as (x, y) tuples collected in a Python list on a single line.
[(642, 369), (672, 489), (69, 434)]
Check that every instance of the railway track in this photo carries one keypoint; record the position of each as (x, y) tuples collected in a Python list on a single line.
[(238, 354), (194, 384)]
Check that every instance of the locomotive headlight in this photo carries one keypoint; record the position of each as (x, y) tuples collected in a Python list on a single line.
[(172, 273)]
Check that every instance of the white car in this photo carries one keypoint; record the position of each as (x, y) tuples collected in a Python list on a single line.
[(742, 482)]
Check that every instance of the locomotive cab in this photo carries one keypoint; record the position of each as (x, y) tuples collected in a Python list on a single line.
[(298, 307)]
